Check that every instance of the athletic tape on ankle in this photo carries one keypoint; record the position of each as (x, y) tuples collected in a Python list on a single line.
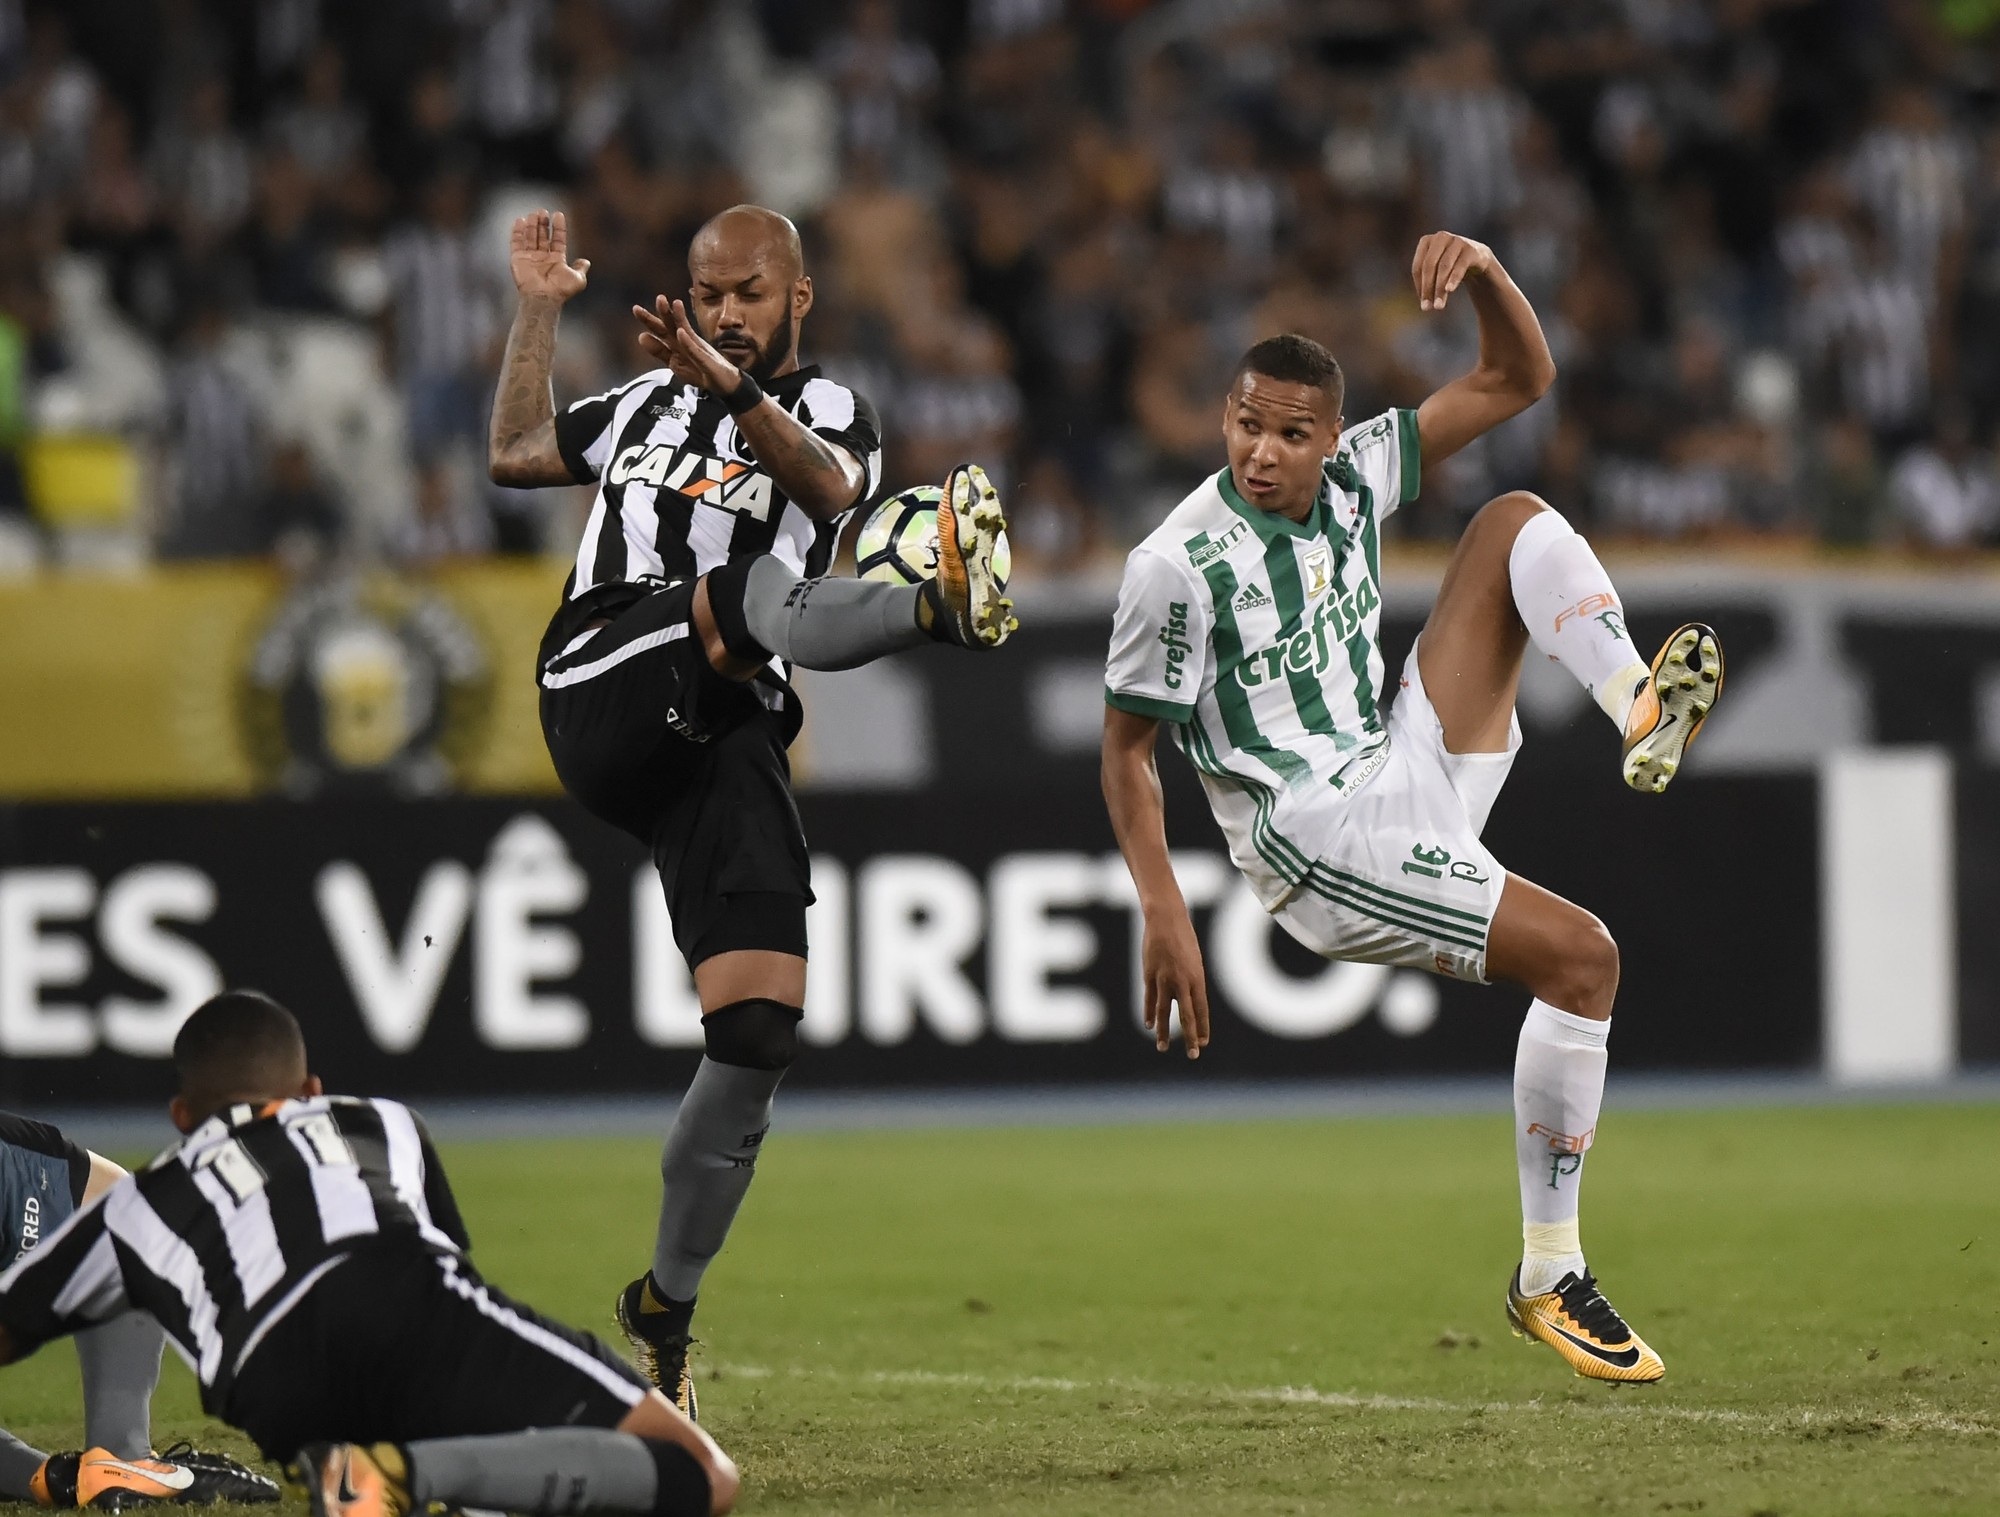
[(1551, 1240)]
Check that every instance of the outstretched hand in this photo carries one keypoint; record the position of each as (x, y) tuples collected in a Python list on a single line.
[(1171, 967), (1443, 262), (668, 334), (539, 258)]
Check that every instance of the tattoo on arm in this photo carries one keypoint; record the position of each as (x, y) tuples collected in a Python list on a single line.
[(521, 442), (821, 478)]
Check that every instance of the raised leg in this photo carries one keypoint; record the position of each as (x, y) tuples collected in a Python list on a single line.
[(1472, 643)]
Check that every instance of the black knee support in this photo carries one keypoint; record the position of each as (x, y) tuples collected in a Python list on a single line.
[(755, 1034), (728, 586), (683, 1488)]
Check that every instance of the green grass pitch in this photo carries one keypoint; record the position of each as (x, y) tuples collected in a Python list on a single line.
[(1293, 1317)]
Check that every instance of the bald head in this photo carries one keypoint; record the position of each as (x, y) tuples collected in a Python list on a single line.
[(749, 234), (750, 289)]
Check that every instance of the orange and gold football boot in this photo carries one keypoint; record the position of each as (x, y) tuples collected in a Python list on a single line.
[(350, 1480), (1577, 1322), (1679, 693), (966, 595)]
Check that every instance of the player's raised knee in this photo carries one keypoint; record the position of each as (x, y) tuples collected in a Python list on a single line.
[(753, 1034), (1508, 514), (1590, 968)]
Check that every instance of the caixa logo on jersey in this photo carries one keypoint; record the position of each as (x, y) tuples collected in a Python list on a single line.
[(364, 685), (724, 483)]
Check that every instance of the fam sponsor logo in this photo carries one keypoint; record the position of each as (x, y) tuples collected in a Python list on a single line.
[(1602, 608), (1173, 637), (1200, 553), (1565, 1151), (1311, 649)]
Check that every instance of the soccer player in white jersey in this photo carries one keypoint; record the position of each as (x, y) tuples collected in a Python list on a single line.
[(1249, 623)]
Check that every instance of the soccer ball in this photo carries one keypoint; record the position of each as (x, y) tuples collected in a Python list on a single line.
[(898, 544)]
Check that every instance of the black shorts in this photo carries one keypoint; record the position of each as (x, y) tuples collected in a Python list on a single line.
[(396, 1343), (652, 740)]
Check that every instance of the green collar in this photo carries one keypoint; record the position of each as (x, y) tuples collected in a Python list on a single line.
[(1269, 525)]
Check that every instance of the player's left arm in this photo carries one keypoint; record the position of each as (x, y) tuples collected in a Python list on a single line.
[(820, 476), (1515, 368)]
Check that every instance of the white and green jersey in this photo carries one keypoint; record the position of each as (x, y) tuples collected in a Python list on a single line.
[(1258, 639)]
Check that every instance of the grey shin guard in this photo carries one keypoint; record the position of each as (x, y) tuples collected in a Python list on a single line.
[(559, 1470), (121, 1365), (711, 1154), (833, 623)]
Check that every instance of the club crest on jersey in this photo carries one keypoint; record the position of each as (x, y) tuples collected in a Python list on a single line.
[(1318, 565), (1311, 650), (714, 481)]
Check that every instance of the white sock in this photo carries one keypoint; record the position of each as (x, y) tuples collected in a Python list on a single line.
[(1573, 614), (1558, 1091)]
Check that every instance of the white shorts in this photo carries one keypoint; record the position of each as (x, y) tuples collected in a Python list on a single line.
[(1405, 879)]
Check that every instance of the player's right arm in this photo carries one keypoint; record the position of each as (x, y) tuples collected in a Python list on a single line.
[(521, 447), (1159, 651), (1514, 369), (1170, 954)]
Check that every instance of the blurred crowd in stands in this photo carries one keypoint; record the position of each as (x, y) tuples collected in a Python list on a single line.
[(262, 242)]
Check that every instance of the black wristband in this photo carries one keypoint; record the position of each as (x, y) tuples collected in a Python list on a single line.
[(748, 393)]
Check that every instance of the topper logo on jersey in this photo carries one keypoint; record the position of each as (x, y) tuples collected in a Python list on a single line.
[(1173, 637), (1310, 650), (713, 481)]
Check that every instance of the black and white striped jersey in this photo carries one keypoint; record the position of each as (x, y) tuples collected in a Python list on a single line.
[(680, 493), (225, 1232)]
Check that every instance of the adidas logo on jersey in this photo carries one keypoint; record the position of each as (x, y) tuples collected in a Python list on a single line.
[(1252, 597)]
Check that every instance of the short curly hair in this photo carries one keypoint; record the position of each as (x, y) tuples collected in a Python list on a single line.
[(1296, 360)]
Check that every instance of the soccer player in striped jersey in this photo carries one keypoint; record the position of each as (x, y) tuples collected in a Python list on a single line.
[(1248, 625), (722, 478), (305, 1255), (44, 1177)]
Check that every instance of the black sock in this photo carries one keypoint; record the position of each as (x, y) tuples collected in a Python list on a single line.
[(678, 1318)]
